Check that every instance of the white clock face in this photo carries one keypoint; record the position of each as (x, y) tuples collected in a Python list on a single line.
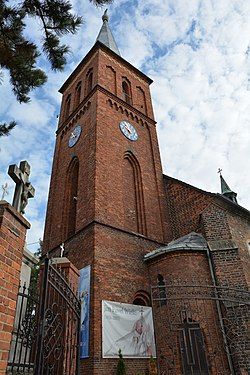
[(128, 130), (74, 136)]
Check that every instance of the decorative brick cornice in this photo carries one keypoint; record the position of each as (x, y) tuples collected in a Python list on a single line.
[(75, 115), (115, 101), (125, 107)]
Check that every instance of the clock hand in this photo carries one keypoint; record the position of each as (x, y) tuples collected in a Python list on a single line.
[(128, 129)]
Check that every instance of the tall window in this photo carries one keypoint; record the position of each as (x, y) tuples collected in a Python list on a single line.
[(133, 200), (78, 93), (162, 290), (72, 191), (141, 99), (89, 81), (67, 106), (126, 92)]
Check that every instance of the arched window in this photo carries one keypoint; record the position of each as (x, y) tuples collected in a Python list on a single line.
[(78, 93), (162, 290), (67, 106), (142, 298), (141, 99), (133, 200), (126, 92), (110, 79), (72, 191), (89, 83)]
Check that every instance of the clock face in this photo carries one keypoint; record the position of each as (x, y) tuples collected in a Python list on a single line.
[(128, 130), (74, 136)]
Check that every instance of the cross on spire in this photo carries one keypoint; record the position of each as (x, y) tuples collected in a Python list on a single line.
[(23, 190)]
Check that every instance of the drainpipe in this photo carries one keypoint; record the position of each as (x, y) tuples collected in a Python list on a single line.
[(215, 284)]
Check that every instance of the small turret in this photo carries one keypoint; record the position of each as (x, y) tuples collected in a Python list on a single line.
[(225, 189)]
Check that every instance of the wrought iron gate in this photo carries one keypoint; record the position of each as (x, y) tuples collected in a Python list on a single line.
[(201, 329), (45, 340)]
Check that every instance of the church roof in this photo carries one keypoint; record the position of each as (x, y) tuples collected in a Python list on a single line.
[(223, 198), (105, 35), (192, 242), (226, 191)]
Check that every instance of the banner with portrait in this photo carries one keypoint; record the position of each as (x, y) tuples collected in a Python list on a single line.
[(84, 292), (129, 328)]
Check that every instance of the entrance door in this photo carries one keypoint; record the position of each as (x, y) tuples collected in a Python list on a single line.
[(192, 349)]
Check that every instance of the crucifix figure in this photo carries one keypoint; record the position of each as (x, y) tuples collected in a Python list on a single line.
[(5, 190), (24, 190), (62, 250)]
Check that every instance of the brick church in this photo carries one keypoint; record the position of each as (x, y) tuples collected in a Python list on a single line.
[(150, 239)]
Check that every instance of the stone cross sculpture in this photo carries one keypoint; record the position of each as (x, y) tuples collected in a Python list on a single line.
[(24, 190)]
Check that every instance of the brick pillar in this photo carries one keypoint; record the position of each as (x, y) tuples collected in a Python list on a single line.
[(13, 229), (69, 270)]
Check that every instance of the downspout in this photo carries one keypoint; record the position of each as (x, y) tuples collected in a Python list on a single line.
[(215, 284)]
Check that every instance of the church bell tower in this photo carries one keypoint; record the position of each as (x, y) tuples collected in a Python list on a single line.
[(106, 194)]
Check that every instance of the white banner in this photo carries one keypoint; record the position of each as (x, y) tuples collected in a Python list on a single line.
[(129, 328)]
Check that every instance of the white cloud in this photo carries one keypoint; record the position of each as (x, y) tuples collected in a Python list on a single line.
[(196, 52)]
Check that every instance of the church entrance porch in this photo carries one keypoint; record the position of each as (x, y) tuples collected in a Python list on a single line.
[(201, 329)]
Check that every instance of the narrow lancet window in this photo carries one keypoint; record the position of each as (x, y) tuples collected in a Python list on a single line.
[(67, 107), (78, 93), (89, 82), (72, 197), (126, 92), (162, 290)]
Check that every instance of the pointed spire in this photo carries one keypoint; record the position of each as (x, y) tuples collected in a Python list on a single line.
[(225, 189), (105, 35)]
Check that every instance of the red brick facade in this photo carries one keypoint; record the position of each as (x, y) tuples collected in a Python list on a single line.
[(225, 226), (12, 237), (124, 208)]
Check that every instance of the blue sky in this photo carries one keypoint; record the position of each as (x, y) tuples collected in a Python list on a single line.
[(197, 53)]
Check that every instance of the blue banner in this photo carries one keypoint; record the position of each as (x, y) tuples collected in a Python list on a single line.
[(84, 291)]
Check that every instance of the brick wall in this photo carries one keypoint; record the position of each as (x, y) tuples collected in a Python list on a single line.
[(12, 237), (185, 303), (224, 225), (227, 238), (117, 273), (240, 231), (185, 204)]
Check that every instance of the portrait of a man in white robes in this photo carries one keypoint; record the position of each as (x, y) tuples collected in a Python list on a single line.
[(129, 329)]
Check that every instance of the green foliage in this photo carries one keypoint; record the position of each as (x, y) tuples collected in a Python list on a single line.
[(152, 366), (35, 270), (121, 369), (18, 54), (6, 128)]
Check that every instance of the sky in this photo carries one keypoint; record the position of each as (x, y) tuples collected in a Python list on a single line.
[(197, 53)]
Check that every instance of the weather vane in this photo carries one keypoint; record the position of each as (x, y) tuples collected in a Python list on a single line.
[(5, 190)]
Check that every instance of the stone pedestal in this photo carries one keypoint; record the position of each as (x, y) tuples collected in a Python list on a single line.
[(13, 229)]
